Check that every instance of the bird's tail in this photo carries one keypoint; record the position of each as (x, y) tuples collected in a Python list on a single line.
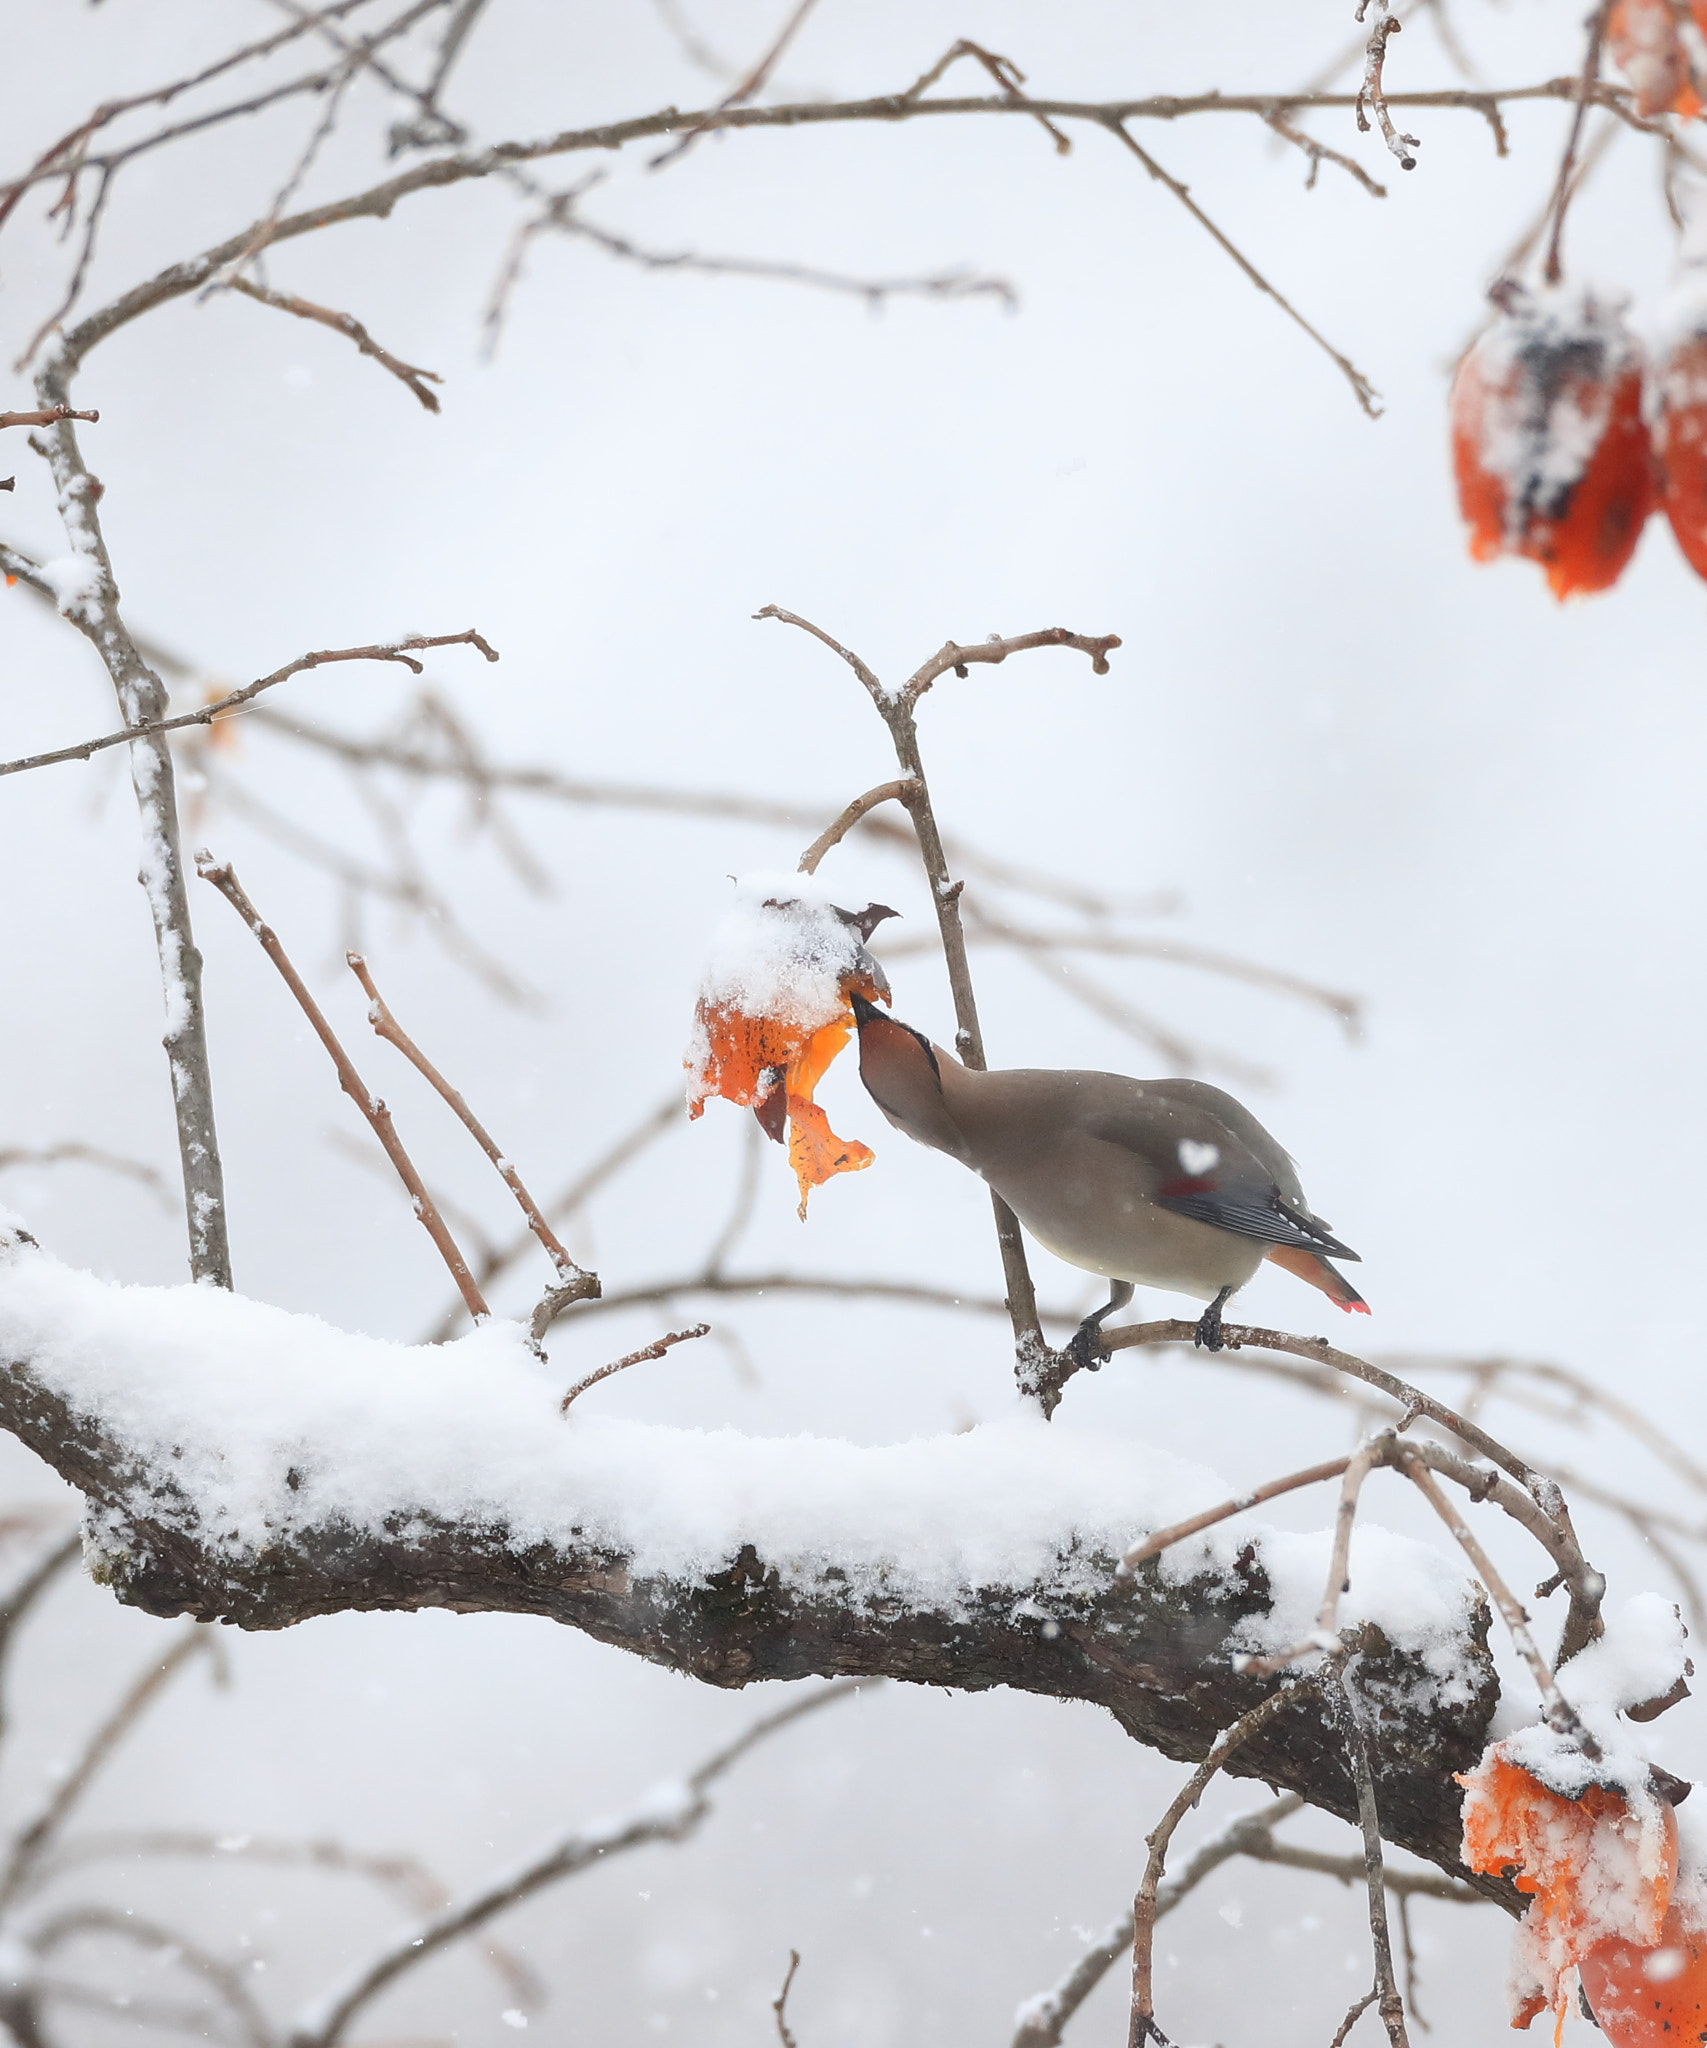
[(1313, 1267)]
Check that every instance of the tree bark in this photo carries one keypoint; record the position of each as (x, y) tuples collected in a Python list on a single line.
[(1156, 1656)]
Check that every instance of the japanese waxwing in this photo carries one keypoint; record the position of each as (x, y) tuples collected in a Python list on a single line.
[(1168, 1184)]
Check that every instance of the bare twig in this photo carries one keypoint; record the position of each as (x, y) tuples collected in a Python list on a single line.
[(1378, 1451), (1319, 153), (1372, 94), (656, 1349), (24, 1595), (1587, 1587), (779, 2004), (1164, 1539), (73, 1153), (1343, 1709), (1142, 2026), (33, 1839), (208, 714), (1558, 1710), (378, 201), (833, 834), (1366, 394), (1008, 76), (77, 1922), (747, 87), (671, 1813), (44, 416), (426, 1210), (410, 374), (1562, 185), (1041, 2020), (570, 1276), (575, 1196)]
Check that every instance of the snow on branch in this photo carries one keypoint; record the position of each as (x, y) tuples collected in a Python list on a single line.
[(247, 1465)]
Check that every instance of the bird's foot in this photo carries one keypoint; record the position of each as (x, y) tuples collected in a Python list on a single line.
[(1207, 1336), (1087, 1347)]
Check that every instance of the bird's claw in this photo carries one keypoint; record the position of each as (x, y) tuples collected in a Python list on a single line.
[(1207, 1336), (1087, 1348)]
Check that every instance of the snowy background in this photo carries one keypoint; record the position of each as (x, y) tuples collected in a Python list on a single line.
[(1355, 756)]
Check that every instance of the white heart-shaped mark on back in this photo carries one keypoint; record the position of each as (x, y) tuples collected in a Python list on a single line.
[(1198, 1158)]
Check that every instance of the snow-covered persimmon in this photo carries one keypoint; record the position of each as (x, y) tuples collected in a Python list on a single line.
[(1599, 1863), (1550, 448), (1650, 1997), (1643, 41), (1678, 397), (773, 1012)]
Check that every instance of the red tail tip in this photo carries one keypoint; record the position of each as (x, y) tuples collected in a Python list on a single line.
[(1360, 1308)]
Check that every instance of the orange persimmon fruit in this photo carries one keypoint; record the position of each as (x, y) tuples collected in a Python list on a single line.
[(1549, 445), (1678, 390), (1642, 39), (774, 1011), (1600, 1871), (1650, 1997)]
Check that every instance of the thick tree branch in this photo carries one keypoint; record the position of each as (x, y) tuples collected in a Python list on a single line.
[(1159, 1654)]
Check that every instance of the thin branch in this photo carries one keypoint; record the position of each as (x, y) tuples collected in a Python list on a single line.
[(562, 216), (901, 792), (377, 201), (386, 1026), (426, 1210), (25, 1594), (1003, 70), (670, 1813), (73, 1153), (44, 416), (1164, 1539), (1319, 153), (346, 324), (406, 1877), (1343, 1709), (779, 2004), (1558, 1710), (656, 1349), (1562, 187), (33, 1839), (1372, 94), (208, 714), (226, 1979), (71, 149), (1142, 2026), (574, 1197), (747, 87), (1364, 392), (1040, 2021), (1378, 1451)]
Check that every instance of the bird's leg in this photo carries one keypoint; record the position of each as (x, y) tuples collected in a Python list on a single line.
[(1086, 1348), (1208, 1333)]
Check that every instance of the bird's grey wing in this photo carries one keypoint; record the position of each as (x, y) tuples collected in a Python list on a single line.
[(1214, 1162), (1249, 1208)]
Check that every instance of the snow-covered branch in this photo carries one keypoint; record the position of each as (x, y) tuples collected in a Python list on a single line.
[(256, 1467)]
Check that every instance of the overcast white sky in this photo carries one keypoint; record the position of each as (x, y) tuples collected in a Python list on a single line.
[(1356, 755)]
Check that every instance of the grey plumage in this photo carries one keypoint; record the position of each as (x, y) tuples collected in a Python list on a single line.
[(1169, 1184)]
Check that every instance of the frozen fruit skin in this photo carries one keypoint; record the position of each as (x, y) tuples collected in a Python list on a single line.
[(1654, 1997), (1643, 41), (774, 1011), (1680, 437), (1599, 1867), (1549, 444)]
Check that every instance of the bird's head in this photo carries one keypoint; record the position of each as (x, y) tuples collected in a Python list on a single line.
[(902, 1072)]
